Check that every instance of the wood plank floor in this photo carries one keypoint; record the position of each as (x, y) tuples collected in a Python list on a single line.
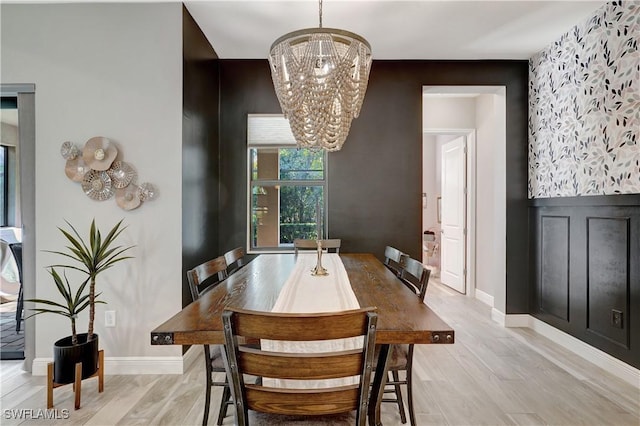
[(490, 376)]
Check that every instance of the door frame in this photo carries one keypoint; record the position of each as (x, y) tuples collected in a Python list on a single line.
[(27, 160), (470, 205)]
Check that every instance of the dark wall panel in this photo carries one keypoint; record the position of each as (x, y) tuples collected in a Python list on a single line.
[(603, 273), (554, 280), (608, 258), (245, 88), (200, 154), (375, 181)]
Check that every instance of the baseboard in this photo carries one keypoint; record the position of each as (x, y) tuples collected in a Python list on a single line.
[(497, 316), (135, 365), (517, 320), (592, 354), (485, 298), (602, 359)]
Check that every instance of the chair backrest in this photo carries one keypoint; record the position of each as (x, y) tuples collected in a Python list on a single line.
[(206, 275), (416, 277), (235, 259), (328, 245), (301, 366), (16, 250), (394, 259)]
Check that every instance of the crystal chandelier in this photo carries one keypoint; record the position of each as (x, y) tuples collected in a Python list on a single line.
[(320, 76)]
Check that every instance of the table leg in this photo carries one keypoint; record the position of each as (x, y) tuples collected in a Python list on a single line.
[(377, 390)]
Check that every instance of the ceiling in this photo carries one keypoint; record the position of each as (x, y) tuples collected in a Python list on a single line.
[(425, 29)]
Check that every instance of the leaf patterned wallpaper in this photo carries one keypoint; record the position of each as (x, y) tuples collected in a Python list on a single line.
[(584, 108)]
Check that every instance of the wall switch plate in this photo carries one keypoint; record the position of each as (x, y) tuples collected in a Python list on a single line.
[(616, 318), (109, 318)]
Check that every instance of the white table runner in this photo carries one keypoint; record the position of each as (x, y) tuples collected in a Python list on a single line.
[(304, 293)]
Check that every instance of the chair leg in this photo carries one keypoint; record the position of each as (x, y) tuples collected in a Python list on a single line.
[(207, 397), (19, 308), (396, 378), (224, 402), (207, 402), (412, 415)]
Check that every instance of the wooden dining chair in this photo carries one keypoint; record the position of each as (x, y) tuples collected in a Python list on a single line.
[(265, 405), (202, 278), (235, 260), (416, 277), (330, 245), (394, 259)]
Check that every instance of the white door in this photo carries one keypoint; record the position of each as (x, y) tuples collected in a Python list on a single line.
[(452, 241)]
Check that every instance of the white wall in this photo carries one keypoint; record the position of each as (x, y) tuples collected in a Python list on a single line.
[(491, 197), (429, 184), (448, 113), (112, 70)]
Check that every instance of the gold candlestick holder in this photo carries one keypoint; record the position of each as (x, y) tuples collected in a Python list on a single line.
[(319, 270)]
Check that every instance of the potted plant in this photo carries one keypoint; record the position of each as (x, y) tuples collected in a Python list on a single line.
[(90, 257)]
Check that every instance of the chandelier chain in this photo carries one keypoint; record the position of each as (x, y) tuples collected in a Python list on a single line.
[(320, 12)]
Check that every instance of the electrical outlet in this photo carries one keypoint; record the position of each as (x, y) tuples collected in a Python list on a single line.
[(616, 318), (109, 318)]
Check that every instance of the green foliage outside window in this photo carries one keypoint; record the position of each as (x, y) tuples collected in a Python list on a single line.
[(301, 185)]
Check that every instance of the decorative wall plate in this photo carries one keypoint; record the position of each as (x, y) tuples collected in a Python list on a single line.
[(76, 169), (121, 174), (97, 185), (127, 198), (146, 191), (99, 153), (101, 176), (69, 151)]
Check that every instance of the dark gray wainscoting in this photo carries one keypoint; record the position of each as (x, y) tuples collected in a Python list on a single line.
[(586, 270)]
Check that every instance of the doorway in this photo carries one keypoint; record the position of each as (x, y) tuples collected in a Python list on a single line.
[(477, 113), (448, 177), (20, 211), (11, 312)]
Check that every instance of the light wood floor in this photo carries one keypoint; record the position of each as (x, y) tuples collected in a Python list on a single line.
[(490, 376)]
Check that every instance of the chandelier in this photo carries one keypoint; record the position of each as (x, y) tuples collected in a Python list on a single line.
[(320, 76)]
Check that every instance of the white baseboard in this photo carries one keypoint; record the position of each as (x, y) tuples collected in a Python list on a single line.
[(517, 320), (485, 298), (602, 359), (135, 365), (497, 316), (592, 354), (511, 320)]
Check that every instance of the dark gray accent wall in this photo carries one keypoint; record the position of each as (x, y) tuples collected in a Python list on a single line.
[(245, 88), (586, 265), (375, 181), (200, 153)]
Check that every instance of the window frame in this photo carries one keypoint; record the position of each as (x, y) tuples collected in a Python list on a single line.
[(324, 183)]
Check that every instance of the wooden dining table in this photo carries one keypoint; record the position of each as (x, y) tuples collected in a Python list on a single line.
[(402, 318)]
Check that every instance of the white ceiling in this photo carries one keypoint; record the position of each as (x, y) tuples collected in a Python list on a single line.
[(447, 29)]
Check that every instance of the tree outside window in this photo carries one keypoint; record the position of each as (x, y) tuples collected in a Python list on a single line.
[(288, 190)]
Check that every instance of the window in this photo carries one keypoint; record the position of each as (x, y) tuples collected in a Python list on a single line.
[(287, 187)]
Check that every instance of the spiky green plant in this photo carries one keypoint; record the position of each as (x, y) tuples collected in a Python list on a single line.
[(74, 303), (93, 257)]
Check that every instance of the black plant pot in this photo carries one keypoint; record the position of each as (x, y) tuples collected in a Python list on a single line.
[(66, 355)]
